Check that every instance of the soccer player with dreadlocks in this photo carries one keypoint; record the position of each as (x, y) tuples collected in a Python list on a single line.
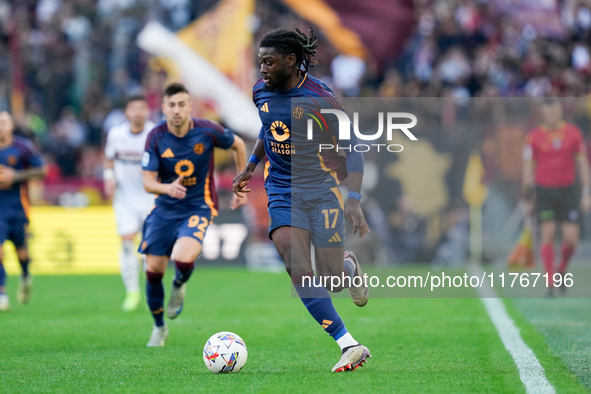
[(307, 210)]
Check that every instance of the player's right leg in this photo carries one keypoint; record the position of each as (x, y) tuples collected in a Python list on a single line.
[(546, 212), (155, 298), (570, 240), (128, 225), (159, 235), (25, 285), (130, 272)]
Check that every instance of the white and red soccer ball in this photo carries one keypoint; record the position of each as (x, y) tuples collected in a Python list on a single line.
[(225, 352)]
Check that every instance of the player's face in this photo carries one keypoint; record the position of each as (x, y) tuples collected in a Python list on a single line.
[(275, 67), (137, 112), (6, 126), (177, 109), (552, 113)]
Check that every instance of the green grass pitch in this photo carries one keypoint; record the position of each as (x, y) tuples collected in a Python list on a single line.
[(72, 337)]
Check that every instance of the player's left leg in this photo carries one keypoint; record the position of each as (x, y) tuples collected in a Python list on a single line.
[(185, 252), (570, 240), (568, 214), (329, 264)]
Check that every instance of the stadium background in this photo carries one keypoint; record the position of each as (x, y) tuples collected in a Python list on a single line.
[(67, 65)]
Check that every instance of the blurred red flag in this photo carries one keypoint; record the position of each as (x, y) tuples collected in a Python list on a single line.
[(375, 30), (522, 255)]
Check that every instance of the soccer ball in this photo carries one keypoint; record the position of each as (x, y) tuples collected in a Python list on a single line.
[(224, 352)]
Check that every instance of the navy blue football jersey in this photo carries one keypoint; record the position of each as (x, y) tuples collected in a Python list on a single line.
[(20, 155), (190, 156), (293, 160)]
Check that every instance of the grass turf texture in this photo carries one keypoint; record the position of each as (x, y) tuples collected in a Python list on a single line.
[(73, 338)]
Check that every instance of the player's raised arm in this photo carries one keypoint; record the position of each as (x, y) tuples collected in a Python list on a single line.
[(110, 184), (353, 210), (9, 176), (152, 185), (241, 180)]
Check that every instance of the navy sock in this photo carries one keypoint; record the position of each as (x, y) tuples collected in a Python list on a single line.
[(155, 296), (319, 304), (2, 275), (182, 273), (25, 266)]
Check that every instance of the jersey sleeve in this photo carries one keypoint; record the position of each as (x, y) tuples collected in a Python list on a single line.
[(150, 159), (32, 157), (580, 146), (355, 161), (221, 137), (110, 146)]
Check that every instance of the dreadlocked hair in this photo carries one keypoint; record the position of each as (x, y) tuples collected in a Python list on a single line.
[(302, 45)]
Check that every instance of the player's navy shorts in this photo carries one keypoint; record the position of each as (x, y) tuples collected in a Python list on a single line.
[(557, 203), (161, 231), (13, 226), (319, 212)]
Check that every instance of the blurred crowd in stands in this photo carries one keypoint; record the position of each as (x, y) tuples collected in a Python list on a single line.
[(77, 60)]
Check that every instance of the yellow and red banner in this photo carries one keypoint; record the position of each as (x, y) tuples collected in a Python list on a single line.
[(70, 241), (213, 57)]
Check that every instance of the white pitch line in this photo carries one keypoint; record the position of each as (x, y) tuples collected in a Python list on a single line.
[(531, 371)]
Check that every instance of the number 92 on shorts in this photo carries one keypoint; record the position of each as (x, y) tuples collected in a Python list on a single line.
[(160, 233)]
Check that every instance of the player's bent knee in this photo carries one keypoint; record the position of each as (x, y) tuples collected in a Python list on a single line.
[(156, 264), (186, 249), (22, 253)]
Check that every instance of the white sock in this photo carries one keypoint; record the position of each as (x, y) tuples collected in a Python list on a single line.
[(346, 341), (130, 267)]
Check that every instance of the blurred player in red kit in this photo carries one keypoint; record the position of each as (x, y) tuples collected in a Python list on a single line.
[(552, 153)]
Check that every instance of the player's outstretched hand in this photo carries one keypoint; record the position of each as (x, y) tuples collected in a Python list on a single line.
[(237, 202), (240, 182), (7, 175), (110, 186), (354, 214), (176, 189)]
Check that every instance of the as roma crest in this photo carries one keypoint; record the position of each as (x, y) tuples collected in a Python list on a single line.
[(199, 148)]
